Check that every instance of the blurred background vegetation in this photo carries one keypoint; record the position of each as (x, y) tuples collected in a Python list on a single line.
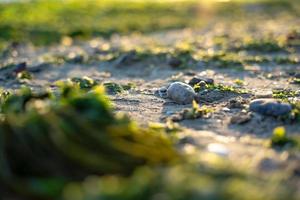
[(44, 22)]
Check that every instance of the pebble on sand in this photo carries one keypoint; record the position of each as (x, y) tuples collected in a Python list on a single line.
[(271, 107), (181, 93)]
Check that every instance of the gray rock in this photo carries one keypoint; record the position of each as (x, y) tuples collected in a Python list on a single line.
[(270, 107), (181, 93), (297, 75), (196, 80), (162, 92)]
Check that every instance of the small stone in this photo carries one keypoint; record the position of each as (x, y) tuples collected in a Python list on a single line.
[(181, 93), (39, 67), (190, 73), (11, 70), (270, 107), (176, 117), (196, 80), (162, 92), (241, 118), (187, 140), (20, 67), (126, 58), (236, 103), (225, 109), (175, 62), (294, 74), (169, 112), (264, 94)]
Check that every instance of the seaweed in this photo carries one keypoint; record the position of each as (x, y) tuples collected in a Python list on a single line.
[(69, 136)]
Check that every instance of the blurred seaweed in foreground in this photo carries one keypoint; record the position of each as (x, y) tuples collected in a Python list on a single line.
[(70, 136), (70, 145)]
